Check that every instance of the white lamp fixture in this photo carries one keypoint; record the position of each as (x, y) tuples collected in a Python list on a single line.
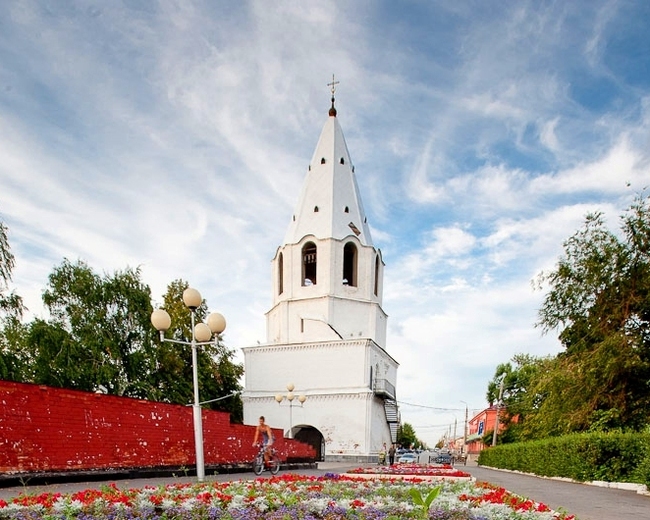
[(202, 334), (290, 396)]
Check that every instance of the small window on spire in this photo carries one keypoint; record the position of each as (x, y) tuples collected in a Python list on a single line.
[(315, 209), (342, 160), (322, 161), (309, 167), (353, 169), (347, 210), (294, 218)]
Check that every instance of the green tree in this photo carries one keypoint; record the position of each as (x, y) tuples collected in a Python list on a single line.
[(219, 375), (406, 436), (13, 357), (99, 332), (10, 303), (529, 409), (599, 301)]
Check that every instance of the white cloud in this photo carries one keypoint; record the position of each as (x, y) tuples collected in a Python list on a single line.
[(620, 166), (547, 134)]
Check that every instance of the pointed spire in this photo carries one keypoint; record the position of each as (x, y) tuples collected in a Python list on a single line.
[(329, 205), (333, 88)]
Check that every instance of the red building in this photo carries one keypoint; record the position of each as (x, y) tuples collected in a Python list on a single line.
[(482, 423)]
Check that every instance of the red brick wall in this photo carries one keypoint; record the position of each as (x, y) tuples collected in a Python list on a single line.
[(53, 429)]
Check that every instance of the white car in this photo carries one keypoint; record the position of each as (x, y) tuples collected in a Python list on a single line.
[(408, 458)]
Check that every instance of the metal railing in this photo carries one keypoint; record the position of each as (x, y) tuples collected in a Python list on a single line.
[(384, 388)]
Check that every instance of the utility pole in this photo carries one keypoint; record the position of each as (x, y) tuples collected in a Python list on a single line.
[(496, 420), (465, 430)]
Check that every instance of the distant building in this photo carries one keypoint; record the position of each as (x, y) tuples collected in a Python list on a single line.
[(326, 328), (479, 425)]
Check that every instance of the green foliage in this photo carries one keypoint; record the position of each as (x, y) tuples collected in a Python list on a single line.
[(598, 299), (424, 502), (8, 303), (611, 457), (12, 353), (642, 471), (219, 375), (99, 332), (406, 436)]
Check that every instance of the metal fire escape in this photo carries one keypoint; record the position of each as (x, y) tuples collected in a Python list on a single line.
[(386, 390)]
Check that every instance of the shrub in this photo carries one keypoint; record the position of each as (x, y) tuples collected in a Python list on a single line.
[(612, 457)]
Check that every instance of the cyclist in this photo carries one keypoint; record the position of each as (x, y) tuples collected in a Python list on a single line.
[(264, 430)]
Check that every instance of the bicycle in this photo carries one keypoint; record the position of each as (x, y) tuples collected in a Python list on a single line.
[(273, 464)]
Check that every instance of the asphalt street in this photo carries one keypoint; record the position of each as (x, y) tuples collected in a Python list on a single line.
[(585, 501)]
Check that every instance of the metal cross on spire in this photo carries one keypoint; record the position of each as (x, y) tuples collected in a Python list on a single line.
[(332, 86)]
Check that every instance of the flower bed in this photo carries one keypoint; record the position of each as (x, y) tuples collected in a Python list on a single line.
[(285, 497), (420, 470)]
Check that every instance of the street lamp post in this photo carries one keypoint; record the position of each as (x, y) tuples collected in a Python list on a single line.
[(202, 334), (465, 429), (290, 397), (496, 419)]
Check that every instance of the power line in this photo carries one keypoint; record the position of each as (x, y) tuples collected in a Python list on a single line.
[(434, 407)]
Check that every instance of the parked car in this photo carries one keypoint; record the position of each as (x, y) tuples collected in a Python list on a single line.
[(408, 458), (443, 457)]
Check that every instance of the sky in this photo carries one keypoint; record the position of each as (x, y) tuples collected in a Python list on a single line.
[(174, 136)]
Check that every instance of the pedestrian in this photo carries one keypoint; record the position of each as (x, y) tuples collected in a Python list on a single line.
[(382, 455), (391, 454)]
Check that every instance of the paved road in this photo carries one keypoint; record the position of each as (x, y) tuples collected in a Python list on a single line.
[(586, 502)]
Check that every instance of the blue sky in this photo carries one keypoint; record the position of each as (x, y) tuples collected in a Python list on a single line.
[(175, 136)]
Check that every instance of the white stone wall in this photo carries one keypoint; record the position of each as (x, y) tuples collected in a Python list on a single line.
[(335, 378)]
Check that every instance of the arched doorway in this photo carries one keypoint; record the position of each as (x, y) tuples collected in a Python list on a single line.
[(310, 435)]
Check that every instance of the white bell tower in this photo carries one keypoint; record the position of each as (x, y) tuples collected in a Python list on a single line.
[(326, 329)]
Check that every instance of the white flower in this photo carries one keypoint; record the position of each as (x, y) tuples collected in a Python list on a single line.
[(316, 505), (61, 504), (190, 504), (260, 503), (236, 502), (167, 503)]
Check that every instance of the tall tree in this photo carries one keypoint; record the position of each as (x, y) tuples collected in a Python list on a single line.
[(599, 301), (219, 375), (533, 404), (406, 436), (99, 333), (13, 357), (8, 302)]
